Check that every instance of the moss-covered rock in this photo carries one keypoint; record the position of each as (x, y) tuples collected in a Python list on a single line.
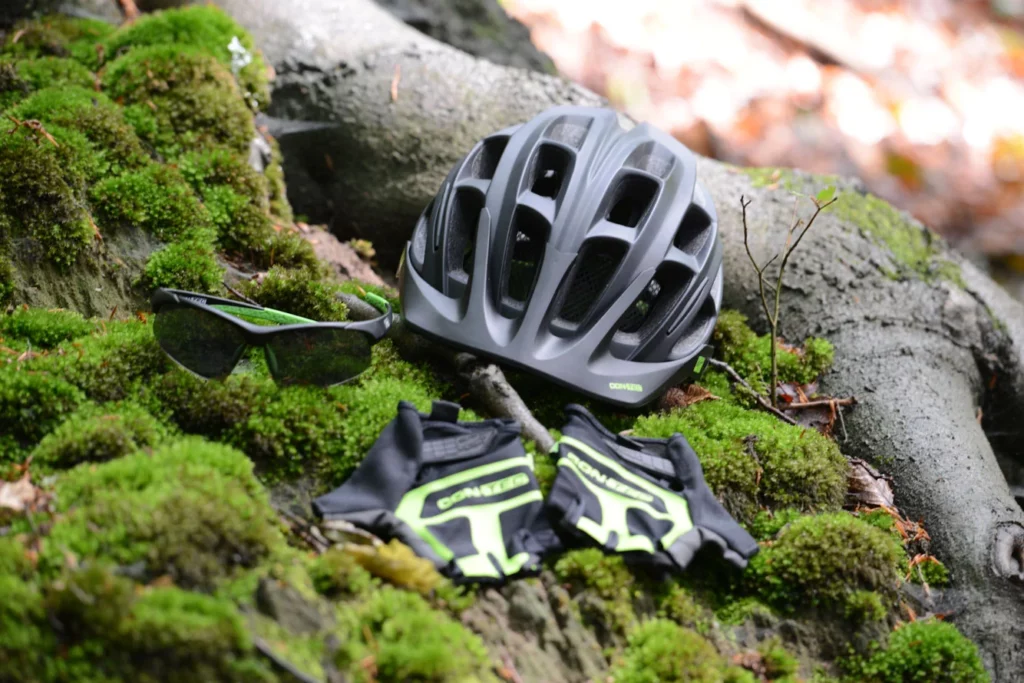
[(661, 651), (930, 650), (45, 329), (97, 433), (190, 264), (205, 29), (156, 199), (54, 72), (403, 639), (114, 147), (606, 578), (751, 459), (186, 100), (57, 36), (31, 405), (191, 510), (825, 561), (300, 291), (336, 574)]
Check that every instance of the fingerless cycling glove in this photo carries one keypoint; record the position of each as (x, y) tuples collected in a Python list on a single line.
[(462, 494), (643, 497)]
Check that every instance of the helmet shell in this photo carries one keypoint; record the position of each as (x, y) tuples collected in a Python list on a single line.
[(575, 249)]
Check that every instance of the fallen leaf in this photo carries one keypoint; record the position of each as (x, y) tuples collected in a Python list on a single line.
[(682, 398), (20, 495), (867, 487)]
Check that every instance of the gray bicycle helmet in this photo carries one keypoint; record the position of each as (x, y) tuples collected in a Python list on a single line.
[(575, 249)]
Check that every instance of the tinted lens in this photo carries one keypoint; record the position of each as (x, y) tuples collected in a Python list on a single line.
[(322, 356), (199, 340)]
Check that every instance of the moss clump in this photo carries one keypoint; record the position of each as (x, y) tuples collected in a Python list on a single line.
[(750, 354), (799, 468), (31, 405), (205, 29), (407, 640), (388, 363), (185, 99), (45, 329), (53, 72), (97, 433), (605, 577), (822, 561), (300, 291), (156, 199), (13, 87), (25, 640), (916, 251), (336, 574), (190, 264), (661, 651), (114, 147), (274, 173), (932, 650), (107, 625), (44, 191), (210, 409), (192, 510), (933, 572), (767, 523), (6, 272), (681, 606), (57, 36)]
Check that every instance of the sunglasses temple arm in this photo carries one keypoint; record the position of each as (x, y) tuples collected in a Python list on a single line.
[(268, 314)]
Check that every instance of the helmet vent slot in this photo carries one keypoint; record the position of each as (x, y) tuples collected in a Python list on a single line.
[(652, 158), (587, 280), (462, 223), (694, 230), (523, 256), (631, 200), (485, 159), (650, 310), (548, 171), (697, 333), (569, 130)]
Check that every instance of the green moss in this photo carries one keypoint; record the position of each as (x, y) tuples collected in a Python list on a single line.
[(681, 606), (114, 146), (32, 404), (369, 407), (25, 641), (203, 28), (767, 523), (210, 409), (107, 626), (605, 577), (191, 510), (799, 467), (51, 72), (406, 640), (932, 651), (6, 274), (288, 249), (388, 363), (864, 606), (44, 191), (274, 173), (302, 292), (661, 651), (190, 264), (304, 652), (934, 573), (155, 199), (336, 574), (97, 433), (826, 561), (916, 251), (187, 100), (45, 329), (13, 88), (739, 610), (778, 662), (57, 36), (750, 354)]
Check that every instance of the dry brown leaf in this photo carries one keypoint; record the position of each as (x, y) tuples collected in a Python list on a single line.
[(867, 487), (682, 398), (21, 495)]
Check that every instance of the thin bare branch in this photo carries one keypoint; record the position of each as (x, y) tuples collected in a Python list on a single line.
[(761, 401)]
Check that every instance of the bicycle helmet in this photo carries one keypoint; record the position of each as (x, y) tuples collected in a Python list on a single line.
[(573, 248)]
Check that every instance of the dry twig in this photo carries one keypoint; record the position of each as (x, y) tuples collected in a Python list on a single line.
[(761, 400)]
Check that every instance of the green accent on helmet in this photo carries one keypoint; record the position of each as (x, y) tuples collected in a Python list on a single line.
[(625, 386), (485, 534), (618, 495), (699, 365)]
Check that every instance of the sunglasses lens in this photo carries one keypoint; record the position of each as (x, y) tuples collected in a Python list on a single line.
[(318, 356), (199, 340)]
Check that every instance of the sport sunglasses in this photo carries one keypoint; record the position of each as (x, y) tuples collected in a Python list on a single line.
[(204, 335)]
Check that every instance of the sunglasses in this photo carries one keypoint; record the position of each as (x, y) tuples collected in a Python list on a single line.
[(204, 335)]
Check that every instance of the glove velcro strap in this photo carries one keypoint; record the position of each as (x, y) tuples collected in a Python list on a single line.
[(459, 447)]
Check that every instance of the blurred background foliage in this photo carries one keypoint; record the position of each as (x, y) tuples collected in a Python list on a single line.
[(922, 99)]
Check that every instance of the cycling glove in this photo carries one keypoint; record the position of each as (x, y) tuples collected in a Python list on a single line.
[(646, 498), (462, 494)]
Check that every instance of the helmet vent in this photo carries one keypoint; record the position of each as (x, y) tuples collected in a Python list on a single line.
[(589, 277), (548, 171), (694, 230), (651, 158), (569, 130), (485, 159), (697, 333), (631, 200), (465, 211), (650, 310), (523, 256)]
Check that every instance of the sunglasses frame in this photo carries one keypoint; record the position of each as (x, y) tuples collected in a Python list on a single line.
[(259, 335)]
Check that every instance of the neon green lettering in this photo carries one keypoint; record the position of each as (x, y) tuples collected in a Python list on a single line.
[(484, 490), (625, 386)]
